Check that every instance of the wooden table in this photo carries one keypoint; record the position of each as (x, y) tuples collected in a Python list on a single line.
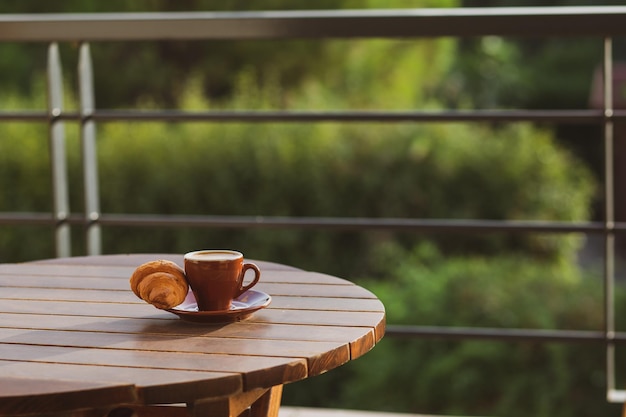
[(75, 341)]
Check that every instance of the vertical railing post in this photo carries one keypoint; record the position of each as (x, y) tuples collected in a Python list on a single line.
[(89, 153), (609, 219), (58, 157)]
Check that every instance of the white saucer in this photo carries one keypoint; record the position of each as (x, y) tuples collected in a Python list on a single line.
[(242, 307)]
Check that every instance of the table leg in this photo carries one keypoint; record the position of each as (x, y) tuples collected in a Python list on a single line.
[(255, 403), (268, 404)]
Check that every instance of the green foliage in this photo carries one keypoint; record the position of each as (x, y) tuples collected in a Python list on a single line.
[(168, 63), (290, 169), (496, 72), (300, 170), (425, 287), (528, 72), (484, 291)]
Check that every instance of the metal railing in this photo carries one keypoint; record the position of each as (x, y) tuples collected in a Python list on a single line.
[(604, 23)]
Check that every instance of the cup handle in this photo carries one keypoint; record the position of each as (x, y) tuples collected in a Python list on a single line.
[(257, 275)]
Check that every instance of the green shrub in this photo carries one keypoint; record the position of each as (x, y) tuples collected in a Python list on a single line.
[(291, 169), (437, 172), (330, 169), (453, 377)]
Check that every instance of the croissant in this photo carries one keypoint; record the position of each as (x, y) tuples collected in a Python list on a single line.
[(161, 283)]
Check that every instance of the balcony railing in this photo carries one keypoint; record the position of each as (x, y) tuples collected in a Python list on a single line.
[(605, 23)]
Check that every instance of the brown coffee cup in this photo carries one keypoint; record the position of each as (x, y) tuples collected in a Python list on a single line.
[(216, 277)]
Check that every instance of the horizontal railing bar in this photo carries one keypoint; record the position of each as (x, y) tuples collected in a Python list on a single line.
[(343, 223), (312, 24), (562, 116), (503, 334), (143, 220), (28, 219), (25, 115), (573, 116)]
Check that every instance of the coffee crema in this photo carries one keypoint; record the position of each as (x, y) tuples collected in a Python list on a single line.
[(210, 255)]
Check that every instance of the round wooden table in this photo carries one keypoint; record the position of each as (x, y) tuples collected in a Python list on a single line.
[(76, 341)]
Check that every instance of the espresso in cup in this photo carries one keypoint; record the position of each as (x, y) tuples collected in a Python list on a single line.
[(216, 277)]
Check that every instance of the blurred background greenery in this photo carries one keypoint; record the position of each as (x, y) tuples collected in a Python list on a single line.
[(514, 171)]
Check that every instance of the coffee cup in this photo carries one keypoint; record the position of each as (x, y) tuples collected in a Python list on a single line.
[(216, 277)]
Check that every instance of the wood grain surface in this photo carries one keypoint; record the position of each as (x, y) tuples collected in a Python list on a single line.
[(74, 337)]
